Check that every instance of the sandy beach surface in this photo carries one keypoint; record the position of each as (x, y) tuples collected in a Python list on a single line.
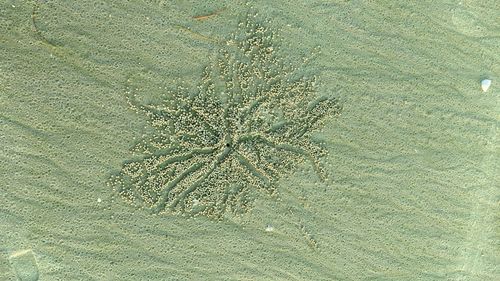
[(409, 188)]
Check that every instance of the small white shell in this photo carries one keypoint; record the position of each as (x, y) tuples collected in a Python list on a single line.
[(485, 84)]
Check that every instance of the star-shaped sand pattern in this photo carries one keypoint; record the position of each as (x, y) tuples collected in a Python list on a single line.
[(247, 124)]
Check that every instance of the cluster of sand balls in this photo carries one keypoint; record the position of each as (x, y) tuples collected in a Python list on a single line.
[(246, 125)]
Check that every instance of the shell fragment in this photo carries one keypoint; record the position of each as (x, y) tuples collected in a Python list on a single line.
[(485, 84)]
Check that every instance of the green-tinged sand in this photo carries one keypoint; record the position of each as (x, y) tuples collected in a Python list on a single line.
[(402, 185)]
